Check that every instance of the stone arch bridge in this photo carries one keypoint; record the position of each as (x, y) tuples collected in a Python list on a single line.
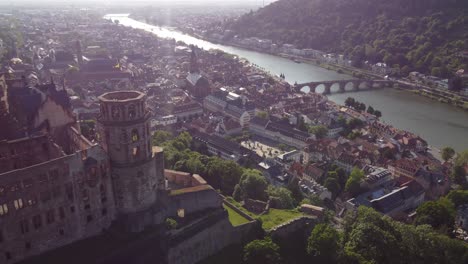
[(357, 85)]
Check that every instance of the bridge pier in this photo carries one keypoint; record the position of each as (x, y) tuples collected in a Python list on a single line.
[(356, 85), (327, 88), (342, 87)]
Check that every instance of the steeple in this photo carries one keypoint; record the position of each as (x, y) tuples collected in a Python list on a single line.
[(79, 54), (194, 62)]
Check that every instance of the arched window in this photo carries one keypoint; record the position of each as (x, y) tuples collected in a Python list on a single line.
[(131, 111), (115, 112), (135, 135)]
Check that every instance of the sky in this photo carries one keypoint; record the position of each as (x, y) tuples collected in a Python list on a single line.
[(110, 2)]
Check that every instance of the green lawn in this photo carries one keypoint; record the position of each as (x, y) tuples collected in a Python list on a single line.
[(277, 217), (273, 218), (234, 217)]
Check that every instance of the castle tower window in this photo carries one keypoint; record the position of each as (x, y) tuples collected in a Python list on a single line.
[(136, 152), (115, 112), (135, 135), (131, 111)]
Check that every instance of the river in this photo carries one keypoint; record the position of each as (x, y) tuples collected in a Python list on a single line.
[(440, 124)]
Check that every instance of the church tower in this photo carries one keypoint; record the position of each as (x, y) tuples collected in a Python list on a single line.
[(194, 62), (79, 53), (137, 168)]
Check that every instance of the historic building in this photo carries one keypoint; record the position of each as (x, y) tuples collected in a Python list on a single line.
[(58, 188)]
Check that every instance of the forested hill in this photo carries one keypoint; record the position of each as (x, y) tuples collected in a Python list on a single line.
[(425, 35)]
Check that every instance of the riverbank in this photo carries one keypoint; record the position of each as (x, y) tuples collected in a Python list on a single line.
[(425, 91), (439, 123)]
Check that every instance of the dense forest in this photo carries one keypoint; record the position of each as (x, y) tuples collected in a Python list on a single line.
[(413, 35)]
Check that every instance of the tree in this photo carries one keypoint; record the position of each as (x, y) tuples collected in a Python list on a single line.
[(171, 223), (447, 153), (323, 243), (458, 174), (160, 136), (224, 174), (349, 102), (370, 110), (262, 252), (333, 186), (318, 131), (253, 185), (458, 197), (436, 214), (282, 197), (353, 184), (378, 114)]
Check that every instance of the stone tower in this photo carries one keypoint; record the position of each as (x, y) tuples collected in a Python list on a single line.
[(137, 168)]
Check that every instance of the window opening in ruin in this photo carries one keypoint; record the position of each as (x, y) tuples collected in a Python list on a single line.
[(136, 152), (27, 245), (3, 209), (61, 213), (24, 226), (8, 255), (69, 191), (135, 135), (61, 232), (2, 190), (85, 195), (1, 236), (89, 218), (50, 216), (181, 213), (18, 203), (56, 192), (72, 209), (104, 211), (37, 221), (87, 206)]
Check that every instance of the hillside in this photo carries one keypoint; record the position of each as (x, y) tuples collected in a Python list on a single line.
[(424, 35)]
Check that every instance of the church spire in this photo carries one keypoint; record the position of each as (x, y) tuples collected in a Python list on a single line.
[(194, 62)]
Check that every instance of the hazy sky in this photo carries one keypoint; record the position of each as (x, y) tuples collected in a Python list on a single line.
[(254, 2)]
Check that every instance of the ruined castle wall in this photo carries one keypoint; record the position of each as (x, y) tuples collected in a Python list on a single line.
[(53, 204), (208, 241)]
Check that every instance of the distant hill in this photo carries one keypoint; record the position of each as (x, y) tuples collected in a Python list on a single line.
[(421, 35)]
